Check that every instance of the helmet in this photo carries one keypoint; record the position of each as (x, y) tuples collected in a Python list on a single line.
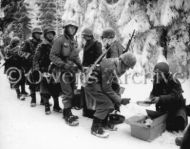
[(162, 66), (87, 32), (70, 22), (37, 30), (15, 40), (48, 30), (108, 33), (128, 59)]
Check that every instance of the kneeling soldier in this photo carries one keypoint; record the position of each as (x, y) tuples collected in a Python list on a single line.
[(105, 98)]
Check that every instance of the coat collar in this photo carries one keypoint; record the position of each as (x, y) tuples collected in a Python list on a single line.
[(47, 42)]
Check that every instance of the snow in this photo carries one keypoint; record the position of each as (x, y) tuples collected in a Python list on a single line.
[(23, 127)]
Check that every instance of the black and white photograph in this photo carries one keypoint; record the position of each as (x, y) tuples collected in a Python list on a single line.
[(95, 74)]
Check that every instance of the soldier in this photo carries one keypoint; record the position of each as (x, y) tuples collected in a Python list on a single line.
[(14, 59), (29, 48), (102, 94), (108, 39), (41, 63), (115, 50), (167, 95), (65, 57), (92, 50)]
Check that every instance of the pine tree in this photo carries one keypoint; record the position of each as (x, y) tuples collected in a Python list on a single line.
[(48, 13), (16, 18)]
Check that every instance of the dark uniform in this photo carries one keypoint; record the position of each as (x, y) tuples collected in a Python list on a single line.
[(170, 99), (42, 62), (29, 48), (14, 59), (64, 56), (92, 51)]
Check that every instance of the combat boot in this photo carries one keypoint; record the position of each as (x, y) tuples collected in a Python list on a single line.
[(33, 101), (70, 119), (97, 128)]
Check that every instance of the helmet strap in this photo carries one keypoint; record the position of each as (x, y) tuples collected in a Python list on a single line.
[(164, 77)]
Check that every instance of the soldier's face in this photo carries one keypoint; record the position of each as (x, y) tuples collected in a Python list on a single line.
[(50, 36), (71, 30), (106, 41), (37, 35), (87, 38)]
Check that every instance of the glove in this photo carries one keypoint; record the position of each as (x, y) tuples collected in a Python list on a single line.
[(155, 99), (125, 101), (117, 107), (66, 66)]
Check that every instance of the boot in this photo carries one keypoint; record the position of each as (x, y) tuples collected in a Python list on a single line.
[(47, 109), (33, 101), (56, 106), (45, 99), (23, 91), (42, 100), (108, 125), (178, 141), (70, 118), (18, 94), (97, 128)]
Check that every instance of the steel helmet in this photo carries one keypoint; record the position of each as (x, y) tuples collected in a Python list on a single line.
[(48, 30), (37, 30), (128, 59), (15, 40), (87, 32), (162, 67), (70, 22), (108, 33)]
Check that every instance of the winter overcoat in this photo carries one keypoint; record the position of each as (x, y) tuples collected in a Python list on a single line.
[(29, 47), (64, 51), (101, 96), (116, 50), (171, 100), (41, 62), (92, 51)]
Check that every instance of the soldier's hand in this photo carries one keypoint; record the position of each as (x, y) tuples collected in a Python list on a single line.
[(125, 101), (117, 107), (67, 66), (155, 99)]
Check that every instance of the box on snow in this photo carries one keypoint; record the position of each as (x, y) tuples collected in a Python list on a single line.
[(147, 127)]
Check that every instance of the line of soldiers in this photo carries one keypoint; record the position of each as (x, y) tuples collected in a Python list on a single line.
[(102, 95)]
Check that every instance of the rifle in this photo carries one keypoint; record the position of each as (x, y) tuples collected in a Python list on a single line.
[(129, 42), (90, 70)]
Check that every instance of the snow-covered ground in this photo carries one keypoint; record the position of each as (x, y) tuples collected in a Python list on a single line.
[(23, 127)]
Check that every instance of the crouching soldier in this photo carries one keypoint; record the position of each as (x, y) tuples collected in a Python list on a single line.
[(41, 63), (105, 98), (167, 95), (64, 56), (13, 63)]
